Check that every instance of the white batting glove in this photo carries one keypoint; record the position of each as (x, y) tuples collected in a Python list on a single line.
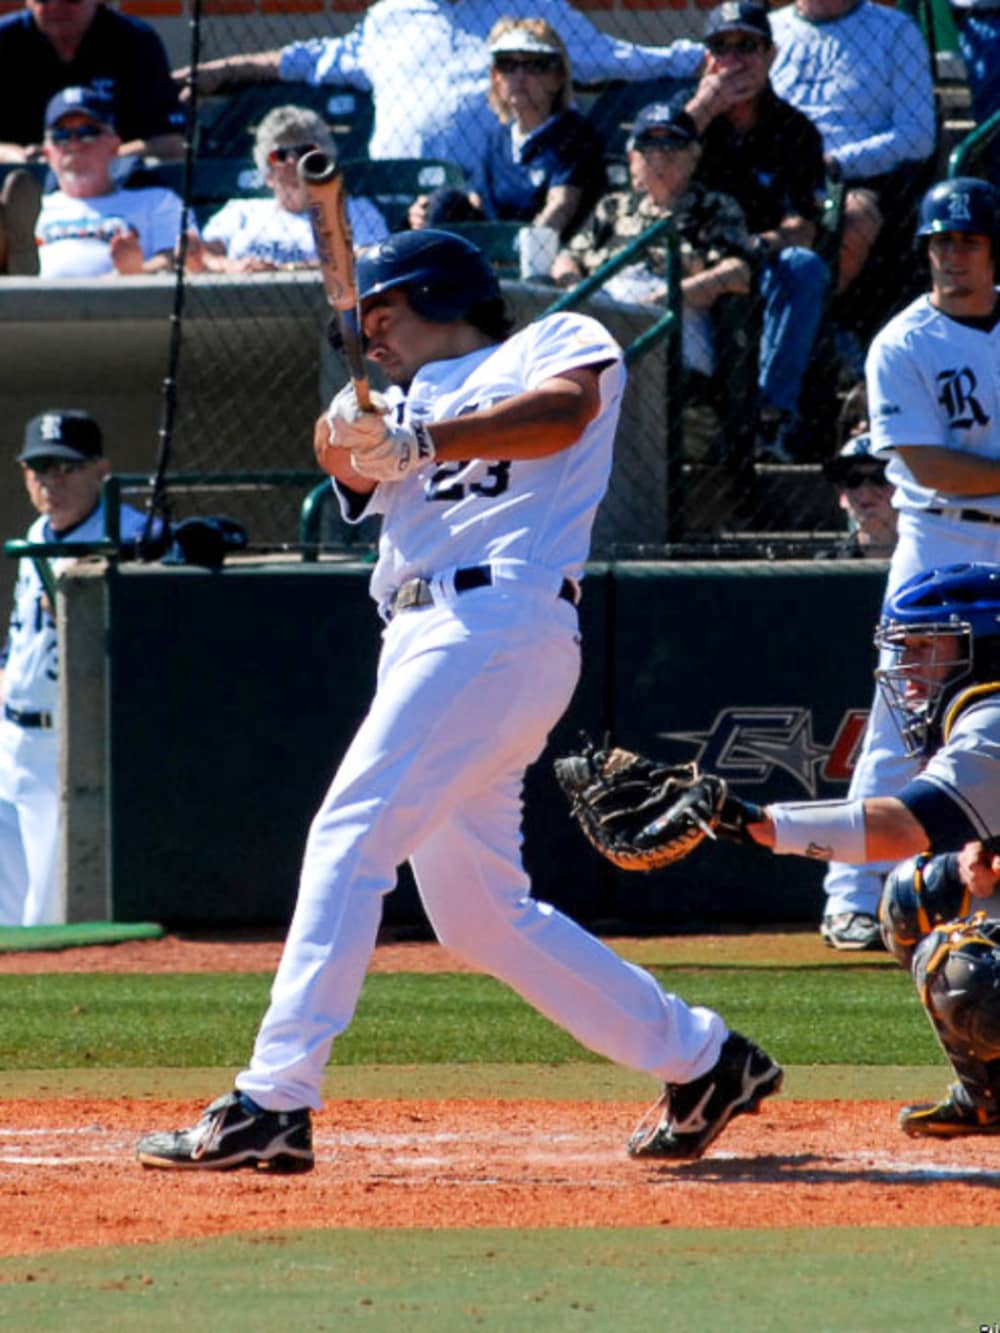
[(405, 449), (352, 428)]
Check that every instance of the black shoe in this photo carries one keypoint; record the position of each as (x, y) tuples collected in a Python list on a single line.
[(691, 1115), (851, 931), (230, 1135), (947, 1119)]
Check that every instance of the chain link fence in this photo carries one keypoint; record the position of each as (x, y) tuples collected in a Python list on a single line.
[(708, 462)]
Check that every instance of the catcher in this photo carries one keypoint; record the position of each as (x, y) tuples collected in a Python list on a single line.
[(942, 685)]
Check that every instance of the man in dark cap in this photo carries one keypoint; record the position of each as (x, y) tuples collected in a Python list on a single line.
[(63, 465), (716, 261), (769, 157)]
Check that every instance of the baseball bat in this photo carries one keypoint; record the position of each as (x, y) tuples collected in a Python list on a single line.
[(324, 185)]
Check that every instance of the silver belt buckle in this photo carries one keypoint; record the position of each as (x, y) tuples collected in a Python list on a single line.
[(412, 593)]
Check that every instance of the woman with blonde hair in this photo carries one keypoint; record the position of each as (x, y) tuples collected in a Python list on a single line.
[(542, 162)]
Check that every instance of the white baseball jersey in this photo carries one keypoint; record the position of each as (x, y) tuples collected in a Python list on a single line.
[(74, 235), (30, 658), (262, 229), (470, 683), (530, 513), (934, 380), (29, 752)]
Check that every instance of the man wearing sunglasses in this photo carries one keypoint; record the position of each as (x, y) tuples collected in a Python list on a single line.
[(427, 64), (63, 466), (769, 157), (89, 227), (55, 44)]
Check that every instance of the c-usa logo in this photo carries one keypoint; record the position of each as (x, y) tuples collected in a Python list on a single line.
[(747, 744)]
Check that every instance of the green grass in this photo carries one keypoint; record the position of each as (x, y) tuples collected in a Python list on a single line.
[(56, 1021), (824, 1280)]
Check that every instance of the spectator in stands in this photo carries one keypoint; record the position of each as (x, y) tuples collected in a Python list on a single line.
[(861, 72), (542, 162), (427, 64), (866, 498), (63, 465), (663, 154), (55, 44), (255, 235), (89, 227), (769, 157), (978, 24)]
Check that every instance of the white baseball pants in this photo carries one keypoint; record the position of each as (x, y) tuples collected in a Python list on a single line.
[(29, 826), (468, 690)]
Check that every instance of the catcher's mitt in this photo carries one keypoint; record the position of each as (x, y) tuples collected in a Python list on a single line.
[(638, 814)]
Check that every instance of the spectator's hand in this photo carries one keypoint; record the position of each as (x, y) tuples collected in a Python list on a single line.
[(126, 253), (417, 214), (979, 869), (565, 271), (720, 88)]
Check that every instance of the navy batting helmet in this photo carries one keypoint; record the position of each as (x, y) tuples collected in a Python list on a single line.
[(964, 204), (443, 275), (955, 611)]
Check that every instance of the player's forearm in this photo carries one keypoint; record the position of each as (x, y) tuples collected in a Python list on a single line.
[(855, 832), (952, 470), (530, 425)]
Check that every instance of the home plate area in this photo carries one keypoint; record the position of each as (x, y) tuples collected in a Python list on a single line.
[(69, 1178)]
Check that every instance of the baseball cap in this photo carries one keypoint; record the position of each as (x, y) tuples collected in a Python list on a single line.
[(856, 455), (81, 102), (522, 40), (739, 16), (62, 434), (660, 122)]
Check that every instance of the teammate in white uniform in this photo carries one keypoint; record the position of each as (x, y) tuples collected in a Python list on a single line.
[(64, 468), (933, 377), (487, 468)]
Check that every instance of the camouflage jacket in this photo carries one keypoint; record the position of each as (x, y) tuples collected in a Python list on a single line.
[(711, 227)]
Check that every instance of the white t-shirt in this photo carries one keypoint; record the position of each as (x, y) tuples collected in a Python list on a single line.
[(262, 229), (536, 512), (73, 235), (934, 381)]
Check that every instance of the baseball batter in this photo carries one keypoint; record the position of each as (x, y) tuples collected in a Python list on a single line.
[(933, 376), (64, 467), (487, 462)]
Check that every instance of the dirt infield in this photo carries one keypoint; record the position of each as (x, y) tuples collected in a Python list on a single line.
[(68, 1177)]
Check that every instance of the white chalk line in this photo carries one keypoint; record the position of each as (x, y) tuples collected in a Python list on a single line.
[(565, 1151)]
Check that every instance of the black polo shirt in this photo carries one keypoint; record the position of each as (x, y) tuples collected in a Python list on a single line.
[(773, 171), (121, 56)]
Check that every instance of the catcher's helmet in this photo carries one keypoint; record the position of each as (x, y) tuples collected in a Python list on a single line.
[(964, 204), (956, 608), (444, 275)]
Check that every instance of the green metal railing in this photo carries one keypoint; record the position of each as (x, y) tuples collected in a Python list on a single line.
[(966, 153)]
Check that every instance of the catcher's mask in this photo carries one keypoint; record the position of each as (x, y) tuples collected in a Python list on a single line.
[(941, 631)]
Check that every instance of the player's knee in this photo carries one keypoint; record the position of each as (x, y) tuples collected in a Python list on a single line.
[(919, 894), (957, 973)]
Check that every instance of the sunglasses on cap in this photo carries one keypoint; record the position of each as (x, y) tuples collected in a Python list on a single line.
[(526, 64), (289, 152), (852, 481), (735, 46), (63, 467), (66, 133)]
